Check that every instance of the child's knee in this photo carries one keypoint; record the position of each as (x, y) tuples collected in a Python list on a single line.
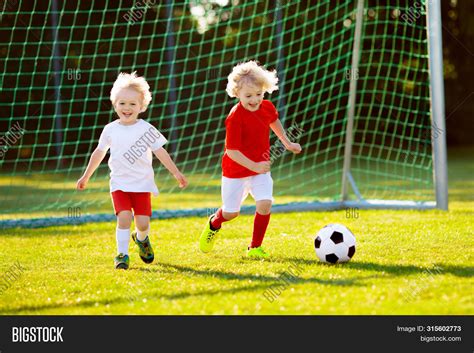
[(142, 228), (124, 219), (142, 223), (264, 206)]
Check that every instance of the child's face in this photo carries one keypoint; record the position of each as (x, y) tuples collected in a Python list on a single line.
[(250, 96), (128, 105)]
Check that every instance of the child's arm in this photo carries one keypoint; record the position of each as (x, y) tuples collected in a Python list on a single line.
[(166, 160), (96, 157), (239, 157), (280, 132)]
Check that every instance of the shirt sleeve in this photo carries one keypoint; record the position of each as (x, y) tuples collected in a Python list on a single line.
[(159, 139), (233, 137), (272, 113), (104, 140)]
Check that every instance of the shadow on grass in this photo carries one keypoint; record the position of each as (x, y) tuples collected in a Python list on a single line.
[(392, 269), (257, 278), (125, 299), (262, 283)]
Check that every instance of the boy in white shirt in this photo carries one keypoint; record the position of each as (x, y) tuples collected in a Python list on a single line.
[(131, 142)]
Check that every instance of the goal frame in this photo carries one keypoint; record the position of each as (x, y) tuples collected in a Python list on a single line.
[(438, 140)]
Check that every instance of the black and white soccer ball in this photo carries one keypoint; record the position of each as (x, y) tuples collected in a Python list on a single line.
[(335, 244)]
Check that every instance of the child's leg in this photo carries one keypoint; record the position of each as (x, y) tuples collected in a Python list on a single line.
[(262, 191), (141, 203), (233, 192), (142, 224), (123, 210), (260, 223), (221, 217), (145, 250), (124, 221)]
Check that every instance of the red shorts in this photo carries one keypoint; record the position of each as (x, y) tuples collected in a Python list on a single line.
[(139, 201)]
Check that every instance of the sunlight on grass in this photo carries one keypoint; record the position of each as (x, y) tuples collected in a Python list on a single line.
[(406, 262), (395, 251)]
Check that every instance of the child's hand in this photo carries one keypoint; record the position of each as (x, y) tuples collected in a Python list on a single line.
[(181, 180), (82, 183), (294, 147), (262, 167)]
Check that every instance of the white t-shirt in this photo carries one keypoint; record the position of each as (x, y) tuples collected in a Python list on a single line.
[(130, 159)]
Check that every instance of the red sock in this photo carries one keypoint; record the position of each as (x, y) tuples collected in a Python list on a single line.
[(260, 224), (218, 219)]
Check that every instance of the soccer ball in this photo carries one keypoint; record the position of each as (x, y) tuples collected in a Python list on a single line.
[(335, 244)]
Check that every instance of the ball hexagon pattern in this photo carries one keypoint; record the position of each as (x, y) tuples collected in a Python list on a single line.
[(335, 243)]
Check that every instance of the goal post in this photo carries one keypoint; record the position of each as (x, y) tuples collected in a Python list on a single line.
[(346, 170), (438, 128)]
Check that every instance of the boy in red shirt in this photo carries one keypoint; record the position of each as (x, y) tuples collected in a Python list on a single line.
[(246, 161)]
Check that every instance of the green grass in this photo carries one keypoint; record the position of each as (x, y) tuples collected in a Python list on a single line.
[(69, 269)]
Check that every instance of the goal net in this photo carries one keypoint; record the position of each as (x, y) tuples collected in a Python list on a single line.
[(59, 60)]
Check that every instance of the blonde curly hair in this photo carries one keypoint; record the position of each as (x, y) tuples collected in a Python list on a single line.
[(251, 72), (125, 80)]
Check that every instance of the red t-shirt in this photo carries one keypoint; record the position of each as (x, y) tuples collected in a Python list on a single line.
[(248, 132)]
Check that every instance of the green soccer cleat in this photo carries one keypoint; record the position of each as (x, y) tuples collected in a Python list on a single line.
[(144, 249), (208, 237), (122, 261), (257, 253)]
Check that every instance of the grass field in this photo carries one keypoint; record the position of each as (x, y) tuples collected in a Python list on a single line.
[(407, 262)]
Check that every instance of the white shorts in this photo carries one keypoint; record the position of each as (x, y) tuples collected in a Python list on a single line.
[(234, 191)]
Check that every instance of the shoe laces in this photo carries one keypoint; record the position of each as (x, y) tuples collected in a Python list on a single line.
[(143, 244), (210, 235)]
